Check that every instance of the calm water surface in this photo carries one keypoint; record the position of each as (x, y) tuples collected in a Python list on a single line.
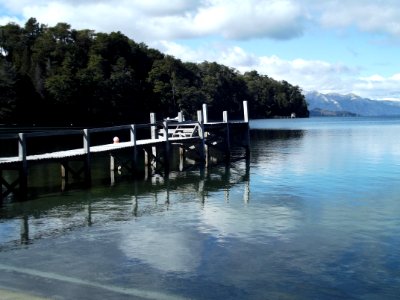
[(314, 214)]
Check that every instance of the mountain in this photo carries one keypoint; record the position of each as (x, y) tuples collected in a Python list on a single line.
[(317, 112), (338, 104)]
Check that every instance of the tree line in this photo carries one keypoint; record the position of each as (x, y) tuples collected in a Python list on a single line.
[(58, 76)]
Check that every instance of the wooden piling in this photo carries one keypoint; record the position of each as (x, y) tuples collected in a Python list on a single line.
[(87, 161), (154, 135), (227, 136), (246, 120), (166, 146), (23, 171), (203, 148), (134, 149)]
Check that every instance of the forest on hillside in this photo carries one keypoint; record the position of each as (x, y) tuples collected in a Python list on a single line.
[(59, 76)]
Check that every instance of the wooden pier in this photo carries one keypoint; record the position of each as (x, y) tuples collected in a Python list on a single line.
[(155, 139)]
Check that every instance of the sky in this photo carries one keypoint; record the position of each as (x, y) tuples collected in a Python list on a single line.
[(329, 46)]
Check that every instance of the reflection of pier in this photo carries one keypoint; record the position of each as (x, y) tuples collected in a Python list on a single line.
[(74, 149), (62, 216)]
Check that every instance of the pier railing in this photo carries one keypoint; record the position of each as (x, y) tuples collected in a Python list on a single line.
[(37, 146), (176, 131)]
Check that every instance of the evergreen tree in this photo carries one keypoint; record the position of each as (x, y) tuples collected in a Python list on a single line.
[(56, 74)]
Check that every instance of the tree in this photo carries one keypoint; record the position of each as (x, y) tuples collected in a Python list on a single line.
[(81, 75), (224, 89), (8, 95)]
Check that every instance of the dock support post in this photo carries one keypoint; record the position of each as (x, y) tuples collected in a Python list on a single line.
[(153, 136), (166, 148), (112, 169), (23, 172), (133, 141), (203, 147), (86, 147), (64, 175), (112, 162), (24, 230), (246, 119), (181, 157), (227, 138), (1, 186)]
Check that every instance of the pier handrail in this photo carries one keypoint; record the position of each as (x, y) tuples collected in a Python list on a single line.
[(198, 135), (53, 133), (200, 125), (22, 137)]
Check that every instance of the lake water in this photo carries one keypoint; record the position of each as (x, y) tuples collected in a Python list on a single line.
[(313, 214)]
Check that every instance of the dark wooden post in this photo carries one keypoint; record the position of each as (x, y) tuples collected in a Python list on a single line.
[(24, 230), (64, 174), (1, 186)]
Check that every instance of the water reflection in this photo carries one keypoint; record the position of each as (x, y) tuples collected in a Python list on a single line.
[(314, 217), (40, 218)]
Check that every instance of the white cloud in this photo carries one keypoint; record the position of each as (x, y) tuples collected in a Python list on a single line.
[(231, 19), (367, 15), (6, 20), (162, 7), (161, 24), (157, 19), (239, 19), (379, 87), (307, 74)]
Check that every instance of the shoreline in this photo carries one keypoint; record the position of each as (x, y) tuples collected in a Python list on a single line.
[(6, 294)]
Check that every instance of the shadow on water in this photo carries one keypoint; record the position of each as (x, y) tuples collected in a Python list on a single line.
[(263, 140)]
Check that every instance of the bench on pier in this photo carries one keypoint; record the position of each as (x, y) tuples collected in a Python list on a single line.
[(181, 131)]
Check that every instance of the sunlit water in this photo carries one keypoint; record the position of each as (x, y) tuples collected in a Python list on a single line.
[(314, 214)]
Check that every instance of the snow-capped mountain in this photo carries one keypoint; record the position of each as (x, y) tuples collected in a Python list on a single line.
[(351, 103)]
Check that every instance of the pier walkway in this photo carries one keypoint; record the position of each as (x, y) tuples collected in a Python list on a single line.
[(198, 135)]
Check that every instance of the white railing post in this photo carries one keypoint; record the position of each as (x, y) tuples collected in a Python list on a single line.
[(180, 116), (22, 148), (227, 138), (246, 119), (133, 141), (86, 147), (23, 174), (203, 148), (245, 111), (205, 113), (154, 135), (166, 154)]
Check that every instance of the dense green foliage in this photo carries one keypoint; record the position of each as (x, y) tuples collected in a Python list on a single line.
[(58, 75)]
